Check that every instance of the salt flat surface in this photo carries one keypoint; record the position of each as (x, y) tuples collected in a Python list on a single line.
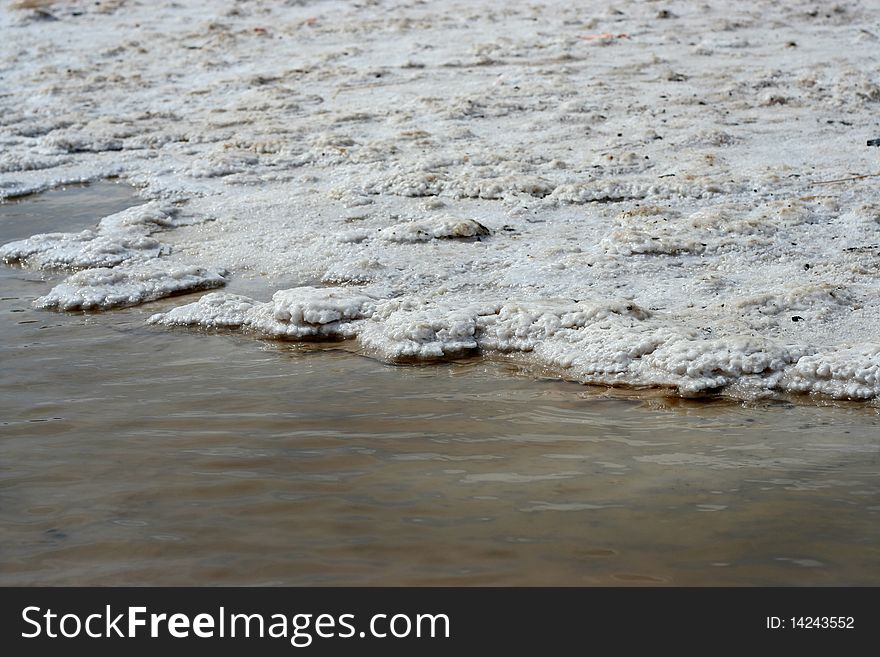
[(627, 194)]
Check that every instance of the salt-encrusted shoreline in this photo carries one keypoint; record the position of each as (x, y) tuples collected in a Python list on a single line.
[(634, 195)]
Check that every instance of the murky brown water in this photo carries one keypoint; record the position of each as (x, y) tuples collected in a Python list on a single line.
[(136, 455)]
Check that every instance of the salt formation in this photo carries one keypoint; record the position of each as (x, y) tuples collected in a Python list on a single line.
[(101, 288), (120, 262), (119, 237), (305, 312), (571, 186), (436, 229)]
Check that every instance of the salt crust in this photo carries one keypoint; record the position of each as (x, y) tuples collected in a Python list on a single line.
[(616, 343), (629, 211)]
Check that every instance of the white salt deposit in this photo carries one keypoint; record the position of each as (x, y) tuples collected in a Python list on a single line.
[(661, 194), (299, 313), (101, 288), (435, 229), (118, 237)]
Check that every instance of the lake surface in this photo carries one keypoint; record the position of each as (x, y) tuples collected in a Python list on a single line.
[(132, 454)]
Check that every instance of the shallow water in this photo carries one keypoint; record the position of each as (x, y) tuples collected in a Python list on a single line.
[(131, 454)]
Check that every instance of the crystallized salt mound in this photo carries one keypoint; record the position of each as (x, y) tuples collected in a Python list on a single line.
[(73, 141), (127, 285), (602, 191), (407, 184), (821, 299), (848, 373), (608, 352), (653, 237), (522, 326), (361, 270), (119, 261), (213, 310), (78, 250), (24, 162), (140, 218), (612, 349), (501, 187), (698, 365), (417, 330), (297, 313), (412, 331), (435, 229), (303, 312), (610, 343), (118, 237)]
